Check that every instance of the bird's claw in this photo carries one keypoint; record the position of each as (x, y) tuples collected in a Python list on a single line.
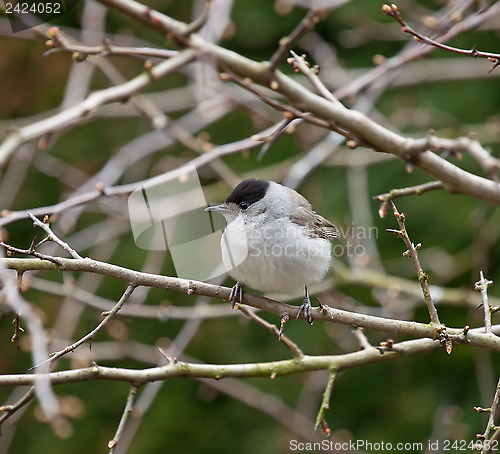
[(236, 295), (306, 306)]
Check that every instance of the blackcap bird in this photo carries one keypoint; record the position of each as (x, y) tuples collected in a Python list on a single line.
[(274, 242)]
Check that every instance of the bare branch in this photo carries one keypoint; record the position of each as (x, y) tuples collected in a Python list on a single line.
[(378, 137), (312, 74), (392, 11), (491, 432), (136, 278), (325, 405), (482, 286), (179, 369), (43, 387), (11, 409), (101, 190), (413, 53), (412, 252), (74, 114), (286, 43), (292, 346), (53, 237), (412, 190), (90, 336), (126, 413)]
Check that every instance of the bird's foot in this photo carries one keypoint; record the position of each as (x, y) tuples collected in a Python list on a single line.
[(306, 307), (236, 295)]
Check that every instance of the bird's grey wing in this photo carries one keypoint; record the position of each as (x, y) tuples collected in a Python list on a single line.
[(317, 225), (298, 199)]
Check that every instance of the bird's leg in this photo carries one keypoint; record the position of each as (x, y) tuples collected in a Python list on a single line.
[(306, 307), (236, 295)]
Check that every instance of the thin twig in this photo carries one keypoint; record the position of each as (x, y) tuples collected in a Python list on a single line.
[(403, 192), (362, 339), (412, 253), (411, 53), (299, 64), (200, 21), (123, 421), (53, 237), (90, 336), (392, 11), (30, 251), (155, 312), (100, 191), (9, 410), (73, 114), (292, 346), (491, 432), (151, 390), (289, 111), (310, 20), (274, 136), (456, 147), (81, 51), (12, 298), (325, 405), (17, 329), (482, 286)]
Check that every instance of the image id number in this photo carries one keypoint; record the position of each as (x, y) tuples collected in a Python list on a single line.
[(33, 8)]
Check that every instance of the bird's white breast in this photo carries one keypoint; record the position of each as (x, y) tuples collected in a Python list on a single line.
[(280, 257)]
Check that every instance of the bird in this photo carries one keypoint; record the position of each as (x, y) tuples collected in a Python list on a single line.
[(274, 242)]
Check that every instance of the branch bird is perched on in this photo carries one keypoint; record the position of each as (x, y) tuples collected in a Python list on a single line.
[(274, 241)]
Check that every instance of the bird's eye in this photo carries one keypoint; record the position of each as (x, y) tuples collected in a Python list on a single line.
[(244, 205)]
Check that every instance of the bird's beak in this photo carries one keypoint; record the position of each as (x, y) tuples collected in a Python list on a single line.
[(222, 208)]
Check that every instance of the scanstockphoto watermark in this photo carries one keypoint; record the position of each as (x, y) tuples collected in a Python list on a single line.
[(277, 241), (354, 241), (428, 446), (167, 213), (355, 446)]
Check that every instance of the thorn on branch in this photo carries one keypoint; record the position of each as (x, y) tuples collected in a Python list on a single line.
[(322, 308), (45, 141), (496, 63), (284, 319)]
